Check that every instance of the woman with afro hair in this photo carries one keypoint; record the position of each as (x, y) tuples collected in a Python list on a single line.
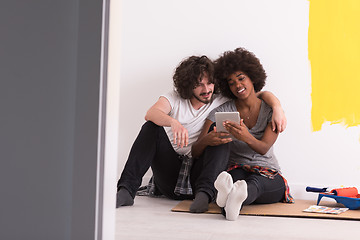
[(253, 174)]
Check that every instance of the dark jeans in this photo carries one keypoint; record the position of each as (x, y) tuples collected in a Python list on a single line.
[(152, 148), (260, 189)]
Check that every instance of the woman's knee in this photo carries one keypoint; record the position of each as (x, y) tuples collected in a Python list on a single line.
[(238, 174), (273, 190)]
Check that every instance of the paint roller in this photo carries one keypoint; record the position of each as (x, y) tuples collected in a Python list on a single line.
[(343, 192)]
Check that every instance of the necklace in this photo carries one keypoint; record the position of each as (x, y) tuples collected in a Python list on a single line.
[(248, 115)]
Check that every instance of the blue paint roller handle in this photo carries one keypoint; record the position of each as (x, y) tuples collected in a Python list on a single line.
[(314, 189)]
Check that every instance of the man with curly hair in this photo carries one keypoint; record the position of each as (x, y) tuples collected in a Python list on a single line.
[(164, 143)]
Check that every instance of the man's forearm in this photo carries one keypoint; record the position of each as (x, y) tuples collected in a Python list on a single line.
[(269, 98), (158, 117)]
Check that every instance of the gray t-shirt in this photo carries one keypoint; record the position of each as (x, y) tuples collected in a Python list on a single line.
[(240, 152)]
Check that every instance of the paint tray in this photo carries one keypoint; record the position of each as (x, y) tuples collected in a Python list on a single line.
[(350, 202)]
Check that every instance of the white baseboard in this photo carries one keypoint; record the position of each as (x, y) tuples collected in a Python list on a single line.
[(298, 191)]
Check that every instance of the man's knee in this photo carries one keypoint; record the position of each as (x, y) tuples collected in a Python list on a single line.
[(150, 125), (150, 129)]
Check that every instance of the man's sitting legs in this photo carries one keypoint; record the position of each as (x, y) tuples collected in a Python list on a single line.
[(151, 148), (139, 161)]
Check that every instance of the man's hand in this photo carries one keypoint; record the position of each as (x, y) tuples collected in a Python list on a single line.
[(278, 121), (181, 135)]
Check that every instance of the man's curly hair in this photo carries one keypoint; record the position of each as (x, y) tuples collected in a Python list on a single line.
[(189, 73), (238, 60)]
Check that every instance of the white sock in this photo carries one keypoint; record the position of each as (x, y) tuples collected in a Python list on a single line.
[(223, 184), (235, 199)]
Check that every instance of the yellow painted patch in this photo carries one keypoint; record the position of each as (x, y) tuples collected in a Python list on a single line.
[(334, 54)]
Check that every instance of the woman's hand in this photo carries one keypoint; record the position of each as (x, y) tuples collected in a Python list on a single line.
[(239, 131), (208, 138), (215, 138)]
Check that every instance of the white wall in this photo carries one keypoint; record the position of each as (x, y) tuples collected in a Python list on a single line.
[(156, 35)]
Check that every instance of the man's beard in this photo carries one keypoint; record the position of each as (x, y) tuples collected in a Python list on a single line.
[(206, 101)]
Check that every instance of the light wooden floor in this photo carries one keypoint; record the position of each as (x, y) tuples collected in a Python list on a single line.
[(152, 219)]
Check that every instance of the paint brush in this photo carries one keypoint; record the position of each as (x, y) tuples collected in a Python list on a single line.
[(319, 190)]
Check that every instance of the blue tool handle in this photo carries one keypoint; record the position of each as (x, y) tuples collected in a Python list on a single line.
[(314, 189)]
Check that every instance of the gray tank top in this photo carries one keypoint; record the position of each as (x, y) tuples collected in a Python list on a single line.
[(240, 152)]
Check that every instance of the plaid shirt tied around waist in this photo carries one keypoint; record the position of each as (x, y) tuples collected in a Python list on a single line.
[(183, 185)]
